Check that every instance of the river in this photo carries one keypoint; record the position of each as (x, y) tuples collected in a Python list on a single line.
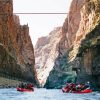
[(44, 94)]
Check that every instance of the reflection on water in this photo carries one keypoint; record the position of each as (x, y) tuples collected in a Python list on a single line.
[(44, 94)]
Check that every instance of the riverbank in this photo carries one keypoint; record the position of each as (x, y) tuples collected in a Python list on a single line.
[(8, 83)]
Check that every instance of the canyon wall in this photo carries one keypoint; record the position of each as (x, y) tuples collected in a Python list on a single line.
[(79, 46), (69, 29), (71, 23), (16, 50), (88, 44), (62, 71), (46, 51)]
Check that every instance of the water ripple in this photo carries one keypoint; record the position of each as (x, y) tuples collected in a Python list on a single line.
[(43, 94)]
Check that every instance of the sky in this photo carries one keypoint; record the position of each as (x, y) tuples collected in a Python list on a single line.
[(41, 24)]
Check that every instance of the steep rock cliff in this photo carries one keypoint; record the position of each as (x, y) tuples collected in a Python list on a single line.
[(72, 22), (78, 48), (24, 48), (46, 51), (79, 45), (62, 71), (88, 44), (17, 53)]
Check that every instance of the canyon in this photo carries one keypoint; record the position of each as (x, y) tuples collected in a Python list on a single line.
[(69, 53), (77, 51)]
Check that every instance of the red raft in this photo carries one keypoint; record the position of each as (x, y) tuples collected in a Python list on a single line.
[(84, 91), (24, 90), (80, 92)]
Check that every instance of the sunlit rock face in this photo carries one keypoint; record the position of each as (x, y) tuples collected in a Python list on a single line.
[(72, 22), (87, 43), (16, 50), (46, 52)]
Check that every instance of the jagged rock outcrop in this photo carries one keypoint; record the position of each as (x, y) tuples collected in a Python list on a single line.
[(16, 50), (46, 51)]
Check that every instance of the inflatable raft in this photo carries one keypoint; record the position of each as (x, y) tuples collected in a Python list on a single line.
[(82, 91), (24, 90)]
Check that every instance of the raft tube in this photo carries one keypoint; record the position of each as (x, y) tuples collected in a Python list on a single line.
[(83, 91)]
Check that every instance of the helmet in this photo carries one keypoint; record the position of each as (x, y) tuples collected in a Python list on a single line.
[(88, 82)]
